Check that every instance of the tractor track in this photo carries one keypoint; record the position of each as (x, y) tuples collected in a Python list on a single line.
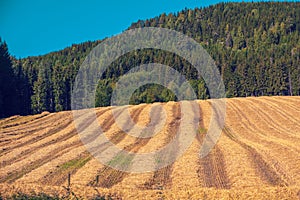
[(279, 111), (262, 132), (271, 174), (51, 121), (109, 176), (9, 119), (53, 130), (292, 103), (267, 139), (59, 176), (26, 122), (57, 152), (161, 178), (271, 121), (212, 168), (66, 136)]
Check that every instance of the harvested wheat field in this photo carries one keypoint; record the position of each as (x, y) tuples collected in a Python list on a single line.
[(256, 157)]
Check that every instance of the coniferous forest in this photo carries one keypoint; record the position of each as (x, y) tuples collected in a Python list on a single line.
[(256, 47)]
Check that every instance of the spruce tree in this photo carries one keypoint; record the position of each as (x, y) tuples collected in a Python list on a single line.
[(8, 101)]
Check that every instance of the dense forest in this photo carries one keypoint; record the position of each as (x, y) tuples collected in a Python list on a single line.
[(256, 47)]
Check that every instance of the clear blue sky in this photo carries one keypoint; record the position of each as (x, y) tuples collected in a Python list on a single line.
[(36, 27)]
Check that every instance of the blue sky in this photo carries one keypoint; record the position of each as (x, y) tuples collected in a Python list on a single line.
[(36, 27)]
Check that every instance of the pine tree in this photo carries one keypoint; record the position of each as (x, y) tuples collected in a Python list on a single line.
[(42, 99), (8, 100)]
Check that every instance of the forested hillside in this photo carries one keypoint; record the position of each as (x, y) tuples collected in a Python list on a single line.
[(256, 47)]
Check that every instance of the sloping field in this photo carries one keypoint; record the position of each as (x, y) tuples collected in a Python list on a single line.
[(256, 157)]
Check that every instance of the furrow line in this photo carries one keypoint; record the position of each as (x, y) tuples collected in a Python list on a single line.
[(58, 177), (107, 176), (263, 169), (212, 167), (161, 178)]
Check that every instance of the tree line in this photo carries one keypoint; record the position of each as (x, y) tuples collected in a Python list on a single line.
[(256, 47)]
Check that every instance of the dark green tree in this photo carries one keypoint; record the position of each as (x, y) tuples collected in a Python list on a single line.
[(8, 97)]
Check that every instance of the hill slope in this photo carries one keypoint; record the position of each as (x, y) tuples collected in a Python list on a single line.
[(256, 156), (256, 47)]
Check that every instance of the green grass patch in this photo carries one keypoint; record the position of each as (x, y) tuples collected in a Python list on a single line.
[(121, 159), (202, 131), (75, 163)]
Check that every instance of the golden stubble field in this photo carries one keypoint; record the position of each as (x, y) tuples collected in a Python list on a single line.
[(256, 157)]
